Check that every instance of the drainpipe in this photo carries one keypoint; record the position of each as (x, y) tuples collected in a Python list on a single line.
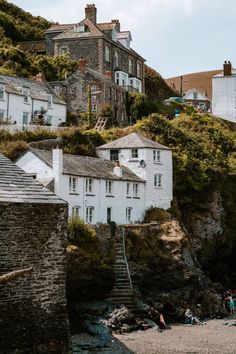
[(8, 98)]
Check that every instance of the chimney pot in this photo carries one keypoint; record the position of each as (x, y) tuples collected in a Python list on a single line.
[(227, 67), (82, 64)]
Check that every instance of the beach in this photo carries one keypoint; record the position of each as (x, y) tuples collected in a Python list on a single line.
[(213, 338)]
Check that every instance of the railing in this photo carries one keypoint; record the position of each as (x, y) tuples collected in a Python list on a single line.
[(13, 128), (125, 258)]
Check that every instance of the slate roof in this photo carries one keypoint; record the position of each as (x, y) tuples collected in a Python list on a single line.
[(37, 89), (85, 166), (17, 187), (133, 140), (60, 27)]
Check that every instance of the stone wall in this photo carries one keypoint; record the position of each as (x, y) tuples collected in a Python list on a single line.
[(33, 308), (87, 48)]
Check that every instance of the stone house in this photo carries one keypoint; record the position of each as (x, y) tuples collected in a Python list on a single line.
[(33, 307), (87, 83), (103, 45), (197, 99), (22, 101), (224, 93), (132, 174)]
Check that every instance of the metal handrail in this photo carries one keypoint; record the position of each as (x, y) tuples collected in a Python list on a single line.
[(125, 258)]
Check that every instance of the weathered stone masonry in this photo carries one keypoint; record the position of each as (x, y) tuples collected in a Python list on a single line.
[(33, 232), (33, 308)]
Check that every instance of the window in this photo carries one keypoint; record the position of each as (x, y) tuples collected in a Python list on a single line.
[(25, 93), (49, 120), (93, 88), (128, 214), (64, 50), (117, 54), (75, 211), (1, 114), (128, 189), (116, 95), (195, 95), (93, 107), (107, 53), (108, 215), (89, 185), (158, 180), (72, 184), (49, 101), (109, 93), (135, 189), (79, 28), (131, 66), (156, 156), (139, 70), (134, 153), (114, 155), (25, 117), (89, 214), (2, 89), (109, 188)]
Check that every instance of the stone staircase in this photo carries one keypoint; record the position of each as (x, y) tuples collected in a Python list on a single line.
[(101, 124), (122, 293)]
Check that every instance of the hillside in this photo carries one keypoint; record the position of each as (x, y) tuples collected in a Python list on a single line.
[(17, 25), (201, 81)]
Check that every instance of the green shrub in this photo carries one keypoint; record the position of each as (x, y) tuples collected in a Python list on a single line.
[(82, 235), (155, 214)]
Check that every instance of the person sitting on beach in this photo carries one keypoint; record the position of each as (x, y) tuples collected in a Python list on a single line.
[(191, 319)]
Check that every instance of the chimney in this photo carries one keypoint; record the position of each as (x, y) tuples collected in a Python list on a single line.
[(117, 169), (40, 77), (117, 23), (57, 161), (227, 68), (91, 13), (108, 74), (82, 64)]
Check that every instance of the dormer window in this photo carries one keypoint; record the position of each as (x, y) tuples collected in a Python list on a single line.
[(79, 28), (25, 93), (2, 90)]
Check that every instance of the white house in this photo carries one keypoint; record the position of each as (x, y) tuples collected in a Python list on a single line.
[(150, 161), (100, 190), (197, 99), (224, 93), (23, 100)]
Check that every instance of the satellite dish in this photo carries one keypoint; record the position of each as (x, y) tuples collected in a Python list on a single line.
[(142, 163)]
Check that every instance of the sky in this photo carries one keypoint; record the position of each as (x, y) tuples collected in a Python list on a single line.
[(176, 37)]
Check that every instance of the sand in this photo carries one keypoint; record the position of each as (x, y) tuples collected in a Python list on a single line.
[(213, 338)]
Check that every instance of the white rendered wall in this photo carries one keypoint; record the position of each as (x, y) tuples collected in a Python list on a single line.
[(118, 201), (157, 197), (224, 97)]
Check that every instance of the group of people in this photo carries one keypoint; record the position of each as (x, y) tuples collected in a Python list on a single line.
[(191, 319)]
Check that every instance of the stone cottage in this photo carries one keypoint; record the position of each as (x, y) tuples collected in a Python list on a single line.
[(103, 45), (89, 90), (33, 233)]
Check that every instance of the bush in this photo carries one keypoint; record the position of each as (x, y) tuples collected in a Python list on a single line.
[(155, 214), (81, 234)]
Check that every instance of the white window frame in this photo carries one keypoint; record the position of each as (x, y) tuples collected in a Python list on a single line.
[(2, 91), (109, 188), (25, 118), (156, 156), (134, 153), (107, 53), (25, 93), (128, 189), (49, 101), (89, 214), (72, 184), (128, 214), (89, 185), (135, 190), (158, 180), (94, 107), (76, 211)]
